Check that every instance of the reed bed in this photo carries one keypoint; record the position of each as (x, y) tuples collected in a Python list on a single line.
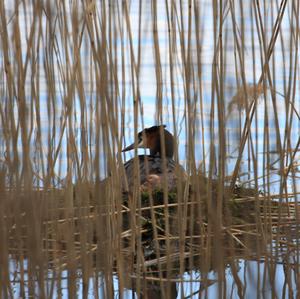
[(80, 79)]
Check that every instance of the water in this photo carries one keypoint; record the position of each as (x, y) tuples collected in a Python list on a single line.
[(148, 88), (257, 280)]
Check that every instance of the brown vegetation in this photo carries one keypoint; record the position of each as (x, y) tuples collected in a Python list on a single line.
[(72, 83)]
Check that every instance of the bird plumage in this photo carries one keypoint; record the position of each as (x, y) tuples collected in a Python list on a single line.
[(159, 167)]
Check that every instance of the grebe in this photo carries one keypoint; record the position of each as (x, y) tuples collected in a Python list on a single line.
[(151, 167)]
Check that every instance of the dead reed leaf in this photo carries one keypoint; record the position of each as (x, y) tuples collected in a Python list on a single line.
[(244, 97)]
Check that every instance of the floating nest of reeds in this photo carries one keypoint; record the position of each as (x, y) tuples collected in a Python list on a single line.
[(80, 205), (163, 217)]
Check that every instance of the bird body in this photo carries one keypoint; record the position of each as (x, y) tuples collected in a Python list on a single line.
[(158, 168)]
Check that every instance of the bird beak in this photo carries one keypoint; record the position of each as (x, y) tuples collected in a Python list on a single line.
[(131, 146), (128, 148)]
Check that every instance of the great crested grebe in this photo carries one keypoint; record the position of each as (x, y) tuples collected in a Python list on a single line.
[(151, 167)]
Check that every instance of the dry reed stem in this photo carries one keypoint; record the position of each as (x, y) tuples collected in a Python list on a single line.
[(73, 81)]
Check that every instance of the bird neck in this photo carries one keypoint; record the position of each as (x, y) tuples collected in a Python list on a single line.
[(169, 142)]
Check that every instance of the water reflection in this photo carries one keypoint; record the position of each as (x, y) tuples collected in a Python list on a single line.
[(256, 279)]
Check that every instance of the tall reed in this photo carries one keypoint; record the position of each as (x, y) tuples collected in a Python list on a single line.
[(79, 79)]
